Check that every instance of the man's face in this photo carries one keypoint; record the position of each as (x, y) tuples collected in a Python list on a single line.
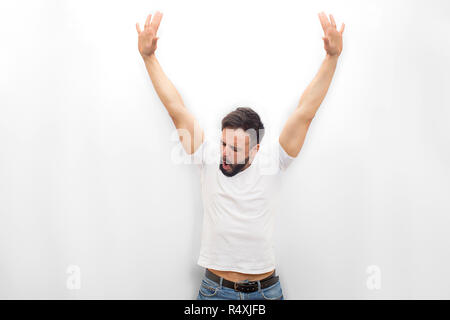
[(235, 151)]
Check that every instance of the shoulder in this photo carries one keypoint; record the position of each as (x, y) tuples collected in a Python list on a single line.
[(273, 157)]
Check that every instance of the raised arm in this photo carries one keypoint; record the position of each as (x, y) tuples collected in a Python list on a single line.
[(190, 133), (294, 131)]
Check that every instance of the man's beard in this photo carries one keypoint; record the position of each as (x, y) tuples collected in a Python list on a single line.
[(235, 168)]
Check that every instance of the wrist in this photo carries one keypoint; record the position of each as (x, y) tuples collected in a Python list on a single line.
[(331, 57), (149, 58)]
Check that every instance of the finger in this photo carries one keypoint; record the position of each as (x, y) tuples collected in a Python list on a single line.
[(156, 20), (324, 21), (138, 28), (333, 23), (342, 29), (147, 22), (326, 41)]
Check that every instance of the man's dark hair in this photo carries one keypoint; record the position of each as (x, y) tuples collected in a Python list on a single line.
[(245, 118)]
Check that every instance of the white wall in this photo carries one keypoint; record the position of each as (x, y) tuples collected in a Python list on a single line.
[(86, 177)]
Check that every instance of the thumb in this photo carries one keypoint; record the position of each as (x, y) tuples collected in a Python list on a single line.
[(325, 39), (138, 28), (155, 42)]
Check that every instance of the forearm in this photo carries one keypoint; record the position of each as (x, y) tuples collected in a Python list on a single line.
[(165, 89), (314, 94)]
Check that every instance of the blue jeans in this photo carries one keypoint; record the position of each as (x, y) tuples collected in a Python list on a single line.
[(211, 290)]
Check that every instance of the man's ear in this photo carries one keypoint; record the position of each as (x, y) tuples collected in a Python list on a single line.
[(255, 149)]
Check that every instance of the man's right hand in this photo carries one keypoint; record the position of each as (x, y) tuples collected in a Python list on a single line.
[(190, 132), (147, 41)]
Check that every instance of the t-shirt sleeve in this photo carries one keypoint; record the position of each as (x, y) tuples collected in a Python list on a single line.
[(284, 160), (197, 158), (273, 158)]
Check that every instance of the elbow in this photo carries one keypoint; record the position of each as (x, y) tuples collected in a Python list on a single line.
[(305, 115), (176, 112)]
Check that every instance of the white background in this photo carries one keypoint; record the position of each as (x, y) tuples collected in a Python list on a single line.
[(86, 176)]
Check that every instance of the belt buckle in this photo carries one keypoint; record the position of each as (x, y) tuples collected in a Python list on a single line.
[(245, 286)]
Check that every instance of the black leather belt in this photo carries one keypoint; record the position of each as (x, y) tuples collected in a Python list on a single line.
[(249, 286)]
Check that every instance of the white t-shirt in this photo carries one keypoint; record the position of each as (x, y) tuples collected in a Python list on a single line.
[(238, 220)]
